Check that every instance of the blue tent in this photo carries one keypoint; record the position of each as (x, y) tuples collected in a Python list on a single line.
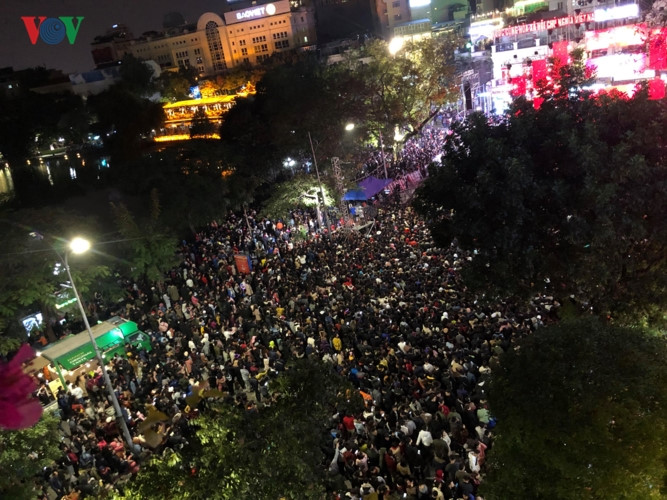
[(355, 195), (372, 185), (368, 188)]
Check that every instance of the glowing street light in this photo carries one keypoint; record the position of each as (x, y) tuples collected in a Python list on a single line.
[(79, 245), (395, 45), (349, 127), (398, 135)]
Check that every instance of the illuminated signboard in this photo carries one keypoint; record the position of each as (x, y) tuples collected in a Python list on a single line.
[(257, 12), (621, 36), (548, 24), (484, 29), (621, 12)]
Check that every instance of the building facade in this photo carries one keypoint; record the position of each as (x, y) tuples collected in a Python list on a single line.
[(615, 47), (218, 42)]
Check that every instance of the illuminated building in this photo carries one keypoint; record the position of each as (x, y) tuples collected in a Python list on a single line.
[(179, 115), (614, 46), (217, 42)]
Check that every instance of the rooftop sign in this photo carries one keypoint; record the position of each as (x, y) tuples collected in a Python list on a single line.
[(257, 12), (547, 24)]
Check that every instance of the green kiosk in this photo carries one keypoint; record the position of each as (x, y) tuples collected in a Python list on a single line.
[(75, 355)]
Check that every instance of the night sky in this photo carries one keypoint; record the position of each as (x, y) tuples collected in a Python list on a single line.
[(138, 15)]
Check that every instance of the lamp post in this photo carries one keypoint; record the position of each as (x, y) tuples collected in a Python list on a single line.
[(77, 246), (324, 204), (384, 161)]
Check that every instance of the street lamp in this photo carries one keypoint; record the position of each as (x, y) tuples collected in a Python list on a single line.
[(384, 161), (77, 246), (395, 45), (324, 204)]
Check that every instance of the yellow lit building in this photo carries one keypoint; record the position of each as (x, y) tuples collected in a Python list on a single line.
[(179, 115), (218, 42)]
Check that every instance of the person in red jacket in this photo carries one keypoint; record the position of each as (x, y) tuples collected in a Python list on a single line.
[(348, 425)]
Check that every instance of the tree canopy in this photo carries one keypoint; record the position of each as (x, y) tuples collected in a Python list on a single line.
[(581, 415), (24, 454), (567, 199), (32, 272), (406, 89), (123, 119), (151, 248), (271, 452)]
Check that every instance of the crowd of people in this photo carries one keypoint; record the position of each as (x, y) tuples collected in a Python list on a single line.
[(387, 310), (416, 154)]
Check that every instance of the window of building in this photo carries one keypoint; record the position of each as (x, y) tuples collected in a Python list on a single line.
[(242, 43), (244, 51), (282, 44), (397, 17), (215, 46), (396, 4)]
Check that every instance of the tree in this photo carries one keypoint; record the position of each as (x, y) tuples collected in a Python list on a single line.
[(298, 192), (201, 125), (209, 88), (136, 75), (406, 89), (283, 441), (565, 200), (123, 119), (32, 272), (24, 454), (152, 248), (236, 78), (655, 12), (175, 86), (581, 415), (567, 81), (259, 132)]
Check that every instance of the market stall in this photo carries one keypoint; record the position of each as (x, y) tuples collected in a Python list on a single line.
[(75, 355)]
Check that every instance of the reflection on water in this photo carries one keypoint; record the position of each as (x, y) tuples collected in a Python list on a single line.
[(48, 173), (54, 170), (6, 182)]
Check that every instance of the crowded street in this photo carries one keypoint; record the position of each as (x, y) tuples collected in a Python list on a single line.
[(382, 305)]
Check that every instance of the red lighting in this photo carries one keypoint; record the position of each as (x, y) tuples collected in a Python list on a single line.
[(560, 53), (658, 49), (539, 70), (518, 86), (656, 89)]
